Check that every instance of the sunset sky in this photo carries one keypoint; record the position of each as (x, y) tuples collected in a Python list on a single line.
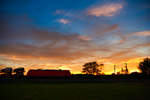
[(65, 34)]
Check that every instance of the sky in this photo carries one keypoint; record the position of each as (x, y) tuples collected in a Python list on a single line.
[(66, 34)]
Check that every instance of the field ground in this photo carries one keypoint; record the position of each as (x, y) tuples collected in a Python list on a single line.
[(75, 91)]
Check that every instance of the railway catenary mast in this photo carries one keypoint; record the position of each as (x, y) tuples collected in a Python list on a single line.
[(126, 68), (114, 69)]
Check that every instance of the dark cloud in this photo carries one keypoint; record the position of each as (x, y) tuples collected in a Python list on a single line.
[(25, 41), (45, 44), (103, 29)]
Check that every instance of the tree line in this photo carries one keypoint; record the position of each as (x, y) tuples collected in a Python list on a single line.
[(95, 69)]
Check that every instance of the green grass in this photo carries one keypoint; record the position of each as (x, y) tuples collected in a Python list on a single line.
[(74, 91)]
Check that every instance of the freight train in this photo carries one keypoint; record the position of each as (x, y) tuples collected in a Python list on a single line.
[(9, 73), (42, 74)]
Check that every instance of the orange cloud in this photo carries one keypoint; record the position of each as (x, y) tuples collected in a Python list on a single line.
[(83, 37), (142, 33), (105, 10), (64, 21)]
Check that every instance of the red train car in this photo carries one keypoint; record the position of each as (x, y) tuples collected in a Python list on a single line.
[(49, 73)]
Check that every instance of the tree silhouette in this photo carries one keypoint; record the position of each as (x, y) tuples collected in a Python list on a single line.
[(144, 66), (92, 68), (7, 70), (19, 72)]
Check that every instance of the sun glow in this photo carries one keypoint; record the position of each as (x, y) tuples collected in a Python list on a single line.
[(108, 67)]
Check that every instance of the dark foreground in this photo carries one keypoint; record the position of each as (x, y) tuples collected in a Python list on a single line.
[(23, 90)]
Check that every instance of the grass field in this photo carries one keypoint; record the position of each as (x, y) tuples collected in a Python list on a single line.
[(75, 91)]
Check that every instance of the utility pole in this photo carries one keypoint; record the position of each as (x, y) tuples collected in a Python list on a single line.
[(126, 66), (114, 69)]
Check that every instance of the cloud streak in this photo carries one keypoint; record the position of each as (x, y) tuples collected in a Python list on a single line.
[(142, 33), (64, 21), (105, 10)]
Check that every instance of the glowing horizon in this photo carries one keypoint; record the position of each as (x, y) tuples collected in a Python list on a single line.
[(108, 67)]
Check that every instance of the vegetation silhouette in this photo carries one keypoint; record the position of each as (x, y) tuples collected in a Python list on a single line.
[(19, 72), (92, 68), (7, 72), (144, 66)]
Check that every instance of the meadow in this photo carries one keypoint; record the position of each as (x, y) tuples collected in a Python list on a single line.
[(74, 90)]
